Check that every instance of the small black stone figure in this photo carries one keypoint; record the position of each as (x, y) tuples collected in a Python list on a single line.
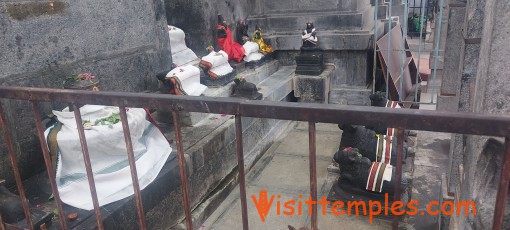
[(375, 147), (310, 61), (359, 173), (310, 40), (245, 89), (242, 32), (10, 206)]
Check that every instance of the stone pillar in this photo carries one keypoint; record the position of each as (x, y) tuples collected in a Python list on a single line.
[(470, 47), (448, 98), (490, 94)]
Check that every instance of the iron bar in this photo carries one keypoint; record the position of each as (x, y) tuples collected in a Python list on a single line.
[(404, 53), (389, 48), (313, 172), (398, 50), (376, 17), (438, 121), (15, 168), (132, 166), (398, 180), (419, 54), (88, 165), (499, 209), (436, 50), (2, 224), (182, 170), (50, 169), (240, 167)]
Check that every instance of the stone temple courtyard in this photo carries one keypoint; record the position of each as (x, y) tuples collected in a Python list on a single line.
[(283, 170), (205, 88)]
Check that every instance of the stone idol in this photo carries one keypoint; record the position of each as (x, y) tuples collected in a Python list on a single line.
[(234, 50), (11, 209), (107, 150), (360, 175), (245, 89), (310, 61), (217, 68), (181, 54), (184, 78), (253, 56), (257, 38)]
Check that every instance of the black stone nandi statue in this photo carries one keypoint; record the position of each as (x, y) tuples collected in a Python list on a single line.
[(11, 209), (360, 175), (375, 147), (245, 89)]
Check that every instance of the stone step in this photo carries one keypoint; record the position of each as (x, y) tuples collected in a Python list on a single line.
[(274, 7), (281, 81), (329, 40), (338, 20), (255, 76)]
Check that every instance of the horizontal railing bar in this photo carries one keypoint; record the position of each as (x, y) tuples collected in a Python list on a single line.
[(439, 121)]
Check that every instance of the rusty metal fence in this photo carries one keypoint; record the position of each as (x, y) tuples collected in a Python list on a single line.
[(466, 123)]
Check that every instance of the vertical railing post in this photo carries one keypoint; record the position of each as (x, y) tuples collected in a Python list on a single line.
[(398, 180), (388, 64), (88, 166), (50, 169), (376, 18), (499, 209), (240, 167), (436, 50), (15, 168), (182, 170), (313, 172), (132, 166), (2, 224)]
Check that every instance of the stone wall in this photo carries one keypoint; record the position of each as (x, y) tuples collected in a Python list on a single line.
[(198, 18), (479, 83), (123, 43)]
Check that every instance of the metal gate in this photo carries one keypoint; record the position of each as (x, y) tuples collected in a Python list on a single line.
[(421, 23)]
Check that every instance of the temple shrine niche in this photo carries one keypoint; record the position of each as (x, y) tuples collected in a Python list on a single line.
[(310, 61)]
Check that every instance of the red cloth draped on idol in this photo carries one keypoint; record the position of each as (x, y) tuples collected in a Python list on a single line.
[(234, 50)]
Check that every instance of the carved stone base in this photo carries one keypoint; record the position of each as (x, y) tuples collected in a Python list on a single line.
[(255, 64), (218, 82), (310, 63), (345, 192)]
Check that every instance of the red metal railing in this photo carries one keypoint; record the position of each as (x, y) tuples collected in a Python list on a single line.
[(474, 124)]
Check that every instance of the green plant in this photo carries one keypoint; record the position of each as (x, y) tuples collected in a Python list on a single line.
[(81, 77)]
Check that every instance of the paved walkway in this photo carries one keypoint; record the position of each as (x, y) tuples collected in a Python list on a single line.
[(283, 171)]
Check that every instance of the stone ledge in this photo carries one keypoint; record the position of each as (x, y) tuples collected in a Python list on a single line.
[(331, 40), (314, 89), (350, 95)]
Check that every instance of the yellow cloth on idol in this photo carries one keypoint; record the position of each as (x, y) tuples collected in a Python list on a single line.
[(263, 47)]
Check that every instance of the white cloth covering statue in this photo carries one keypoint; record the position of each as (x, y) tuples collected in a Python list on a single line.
[(181, 54), (216, 64), (108, 154), (252, 52), (185, 80)]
